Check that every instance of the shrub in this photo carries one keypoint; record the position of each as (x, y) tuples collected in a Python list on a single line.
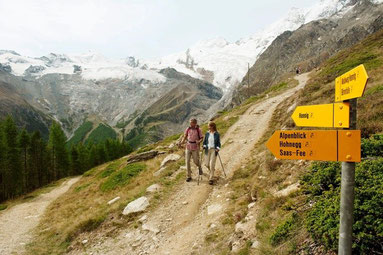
[(373, 147), (283, 231), (322, 220), (122, 177)]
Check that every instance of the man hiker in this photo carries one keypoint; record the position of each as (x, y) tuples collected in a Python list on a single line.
[(193, 136), (211, 145)]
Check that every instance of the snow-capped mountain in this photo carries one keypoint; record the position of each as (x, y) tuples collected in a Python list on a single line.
[(70, 87), (215, 60), (91, 66), (225, 64)]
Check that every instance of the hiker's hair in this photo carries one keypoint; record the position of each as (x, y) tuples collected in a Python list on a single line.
[(194, 120), (213, 125)]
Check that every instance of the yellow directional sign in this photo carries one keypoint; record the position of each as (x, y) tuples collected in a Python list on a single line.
[(351, 84), (316, 145), (323, 115)]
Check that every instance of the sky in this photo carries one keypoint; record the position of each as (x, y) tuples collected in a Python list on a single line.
[(120, 28)]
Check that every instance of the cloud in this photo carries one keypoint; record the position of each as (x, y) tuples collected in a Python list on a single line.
[(34, 24)]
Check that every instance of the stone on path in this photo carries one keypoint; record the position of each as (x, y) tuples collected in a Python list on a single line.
[(137, 205)]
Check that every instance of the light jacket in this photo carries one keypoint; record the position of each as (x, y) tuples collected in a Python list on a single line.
[(217, 142)]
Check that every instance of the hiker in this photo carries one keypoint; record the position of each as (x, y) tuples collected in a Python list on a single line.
[(211, 145), (297, 70), (193, 136)]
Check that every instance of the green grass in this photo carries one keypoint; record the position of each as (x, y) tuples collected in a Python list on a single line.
[(284, 231), (101, 134), (373, 90), (277, 87), (111, 168), (3, 207), (122, 177), (80, 133)]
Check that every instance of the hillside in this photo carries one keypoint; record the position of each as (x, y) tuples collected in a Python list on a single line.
[(310, 45), (284, 188), (13, 103), (259, 208), (171, 113)]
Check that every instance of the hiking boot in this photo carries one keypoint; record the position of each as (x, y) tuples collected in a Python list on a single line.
[(211, 182), (188, 179)]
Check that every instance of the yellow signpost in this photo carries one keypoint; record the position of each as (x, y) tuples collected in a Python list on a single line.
[(323, 115), (351, 84), (329, 145), (325, 145)]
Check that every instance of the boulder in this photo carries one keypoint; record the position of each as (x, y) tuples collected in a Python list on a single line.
[(169, 158), (137, 205), (153, 188), (113, 200)]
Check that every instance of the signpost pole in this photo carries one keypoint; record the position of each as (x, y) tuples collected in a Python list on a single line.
[(347, 196)]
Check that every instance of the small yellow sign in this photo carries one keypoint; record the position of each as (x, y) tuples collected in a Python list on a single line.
[(324, 115), (326, 145), (351, 84)]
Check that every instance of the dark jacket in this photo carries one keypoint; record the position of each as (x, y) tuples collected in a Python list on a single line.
[(217, 142)]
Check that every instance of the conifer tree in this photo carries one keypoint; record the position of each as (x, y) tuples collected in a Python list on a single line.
[(2, 164), (59, 152), (13, 170), (23, 143)]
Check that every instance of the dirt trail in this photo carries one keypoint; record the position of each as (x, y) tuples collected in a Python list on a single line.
[(17, 222), (179, 225)]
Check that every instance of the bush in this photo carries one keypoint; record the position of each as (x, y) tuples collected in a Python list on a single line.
[(284, 230), (322, 220), (123, 176), (372, 147)]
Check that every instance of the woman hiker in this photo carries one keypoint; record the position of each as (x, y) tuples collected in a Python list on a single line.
[(193, 136), (212, 145)]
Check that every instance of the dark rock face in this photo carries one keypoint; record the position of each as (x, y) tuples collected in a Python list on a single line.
[(34, 69), (310, 45), (5, 68)]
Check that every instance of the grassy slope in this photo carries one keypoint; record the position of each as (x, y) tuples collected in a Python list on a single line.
[(260, 177), (279, 226), (101, 134), (81, 132), (84, 207)]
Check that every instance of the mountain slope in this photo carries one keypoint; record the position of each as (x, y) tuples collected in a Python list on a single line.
[(310, 45), (224, 63), (25, 115), (171, 113)]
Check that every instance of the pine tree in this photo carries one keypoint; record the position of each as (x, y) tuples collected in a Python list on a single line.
[(75, 166), (23, 143), (83, 158), (2, 164), (59, 152), (37, 168), (13, 171)]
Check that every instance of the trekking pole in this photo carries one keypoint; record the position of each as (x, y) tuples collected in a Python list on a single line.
[(200, 168), (222, 165)]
